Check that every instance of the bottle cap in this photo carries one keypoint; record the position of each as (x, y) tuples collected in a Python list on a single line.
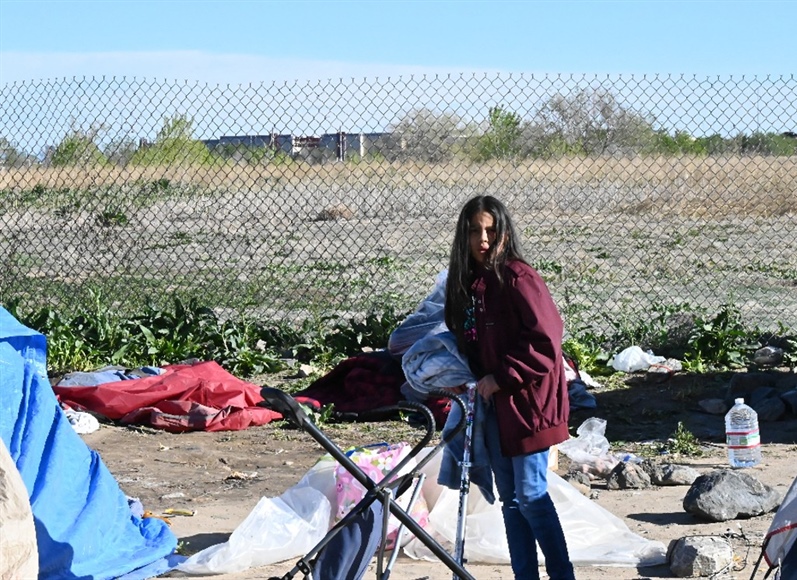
[(739, 401)]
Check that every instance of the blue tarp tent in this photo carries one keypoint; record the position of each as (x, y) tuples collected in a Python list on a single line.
[(84, 526)]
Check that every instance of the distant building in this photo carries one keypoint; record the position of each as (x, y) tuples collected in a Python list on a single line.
[(274, 140), (340, 146)]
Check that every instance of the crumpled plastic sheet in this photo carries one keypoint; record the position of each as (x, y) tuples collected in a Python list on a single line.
[(276, 529), (290, 526), (590, 448), (634, 359), (595, 536)]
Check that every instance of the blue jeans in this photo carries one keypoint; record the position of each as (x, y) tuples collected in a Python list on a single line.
[(529, 514)]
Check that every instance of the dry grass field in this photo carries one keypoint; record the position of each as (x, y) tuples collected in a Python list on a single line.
[(732, 185), (613, 236)]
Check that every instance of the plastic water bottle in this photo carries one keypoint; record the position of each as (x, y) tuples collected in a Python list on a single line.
[(742, 436)]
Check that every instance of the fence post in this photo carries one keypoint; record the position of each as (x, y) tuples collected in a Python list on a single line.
[(341, 146)]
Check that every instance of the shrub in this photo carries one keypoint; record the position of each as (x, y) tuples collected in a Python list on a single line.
[(174, 144), (78, 148), (722, 340), (502, 138)]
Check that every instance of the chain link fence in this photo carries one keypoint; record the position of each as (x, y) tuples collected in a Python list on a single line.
[(633, 194)]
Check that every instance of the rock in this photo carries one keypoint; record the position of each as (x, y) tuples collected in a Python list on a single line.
[(790, 399), (335, 212), (670, 473), (762, 394), (670, 365), (700, 556), (627, 475), (786, 382), (756, 396), (767, 403), (580, 481), (769, 355), (306, 371), (714, 406), (770, 409), (743, 385), (726, 495)]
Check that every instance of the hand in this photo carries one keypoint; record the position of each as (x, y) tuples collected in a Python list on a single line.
[(487, 387)]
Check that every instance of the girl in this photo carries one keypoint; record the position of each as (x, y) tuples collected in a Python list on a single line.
[(507, 324)]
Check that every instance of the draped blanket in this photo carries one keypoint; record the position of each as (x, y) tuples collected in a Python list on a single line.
[(198, 397)]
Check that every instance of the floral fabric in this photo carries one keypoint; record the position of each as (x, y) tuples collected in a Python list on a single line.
[(376, 461)]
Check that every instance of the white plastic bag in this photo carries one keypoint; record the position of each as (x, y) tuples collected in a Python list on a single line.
[(634, 359), (590, 450), (275, 530)]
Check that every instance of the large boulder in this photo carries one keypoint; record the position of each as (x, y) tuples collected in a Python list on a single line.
[(726, 495)]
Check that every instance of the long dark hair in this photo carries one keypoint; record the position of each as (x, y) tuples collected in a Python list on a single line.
[(461, 266)]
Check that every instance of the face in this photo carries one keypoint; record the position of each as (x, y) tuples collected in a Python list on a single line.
[(482, 235)]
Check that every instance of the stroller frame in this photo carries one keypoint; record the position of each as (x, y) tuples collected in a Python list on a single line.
[(391, 486)]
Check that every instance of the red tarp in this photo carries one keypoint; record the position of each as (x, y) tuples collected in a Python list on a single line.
[(199, 397)]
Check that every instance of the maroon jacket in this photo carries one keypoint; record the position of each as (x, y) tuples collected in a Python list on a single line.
[(519, 333)]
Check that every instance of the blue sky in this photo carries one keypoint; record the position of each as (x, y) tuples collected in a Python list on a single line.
[(243, 42)]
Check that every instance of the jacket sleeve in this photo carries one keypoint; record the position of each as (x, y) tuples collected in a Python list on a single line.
[(538, 348)]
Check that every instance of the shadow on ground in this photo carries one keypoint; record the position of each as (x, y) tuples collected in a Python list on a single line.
[(199, 542), (651, 406)]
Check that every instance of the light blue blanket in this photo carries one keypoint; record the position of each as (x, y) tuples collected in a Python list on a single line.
[(435, 362)]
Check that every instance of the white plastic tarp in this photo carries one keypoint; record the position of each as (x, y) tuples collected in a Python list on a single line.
[(594, 535)]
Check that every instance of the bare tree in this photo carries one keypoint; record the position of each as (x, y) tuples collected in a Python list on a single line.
[(120, 150), (429, 136), (589, 122), (10, 156)]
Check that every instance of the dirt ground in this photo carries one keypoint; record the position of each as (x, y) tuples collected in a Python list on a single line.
[(221, 476)]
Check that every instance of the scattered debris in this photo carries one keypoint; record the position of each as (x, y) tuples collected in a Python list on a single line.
[(241, 475), (149, 514), (305, 371), (179, 512)]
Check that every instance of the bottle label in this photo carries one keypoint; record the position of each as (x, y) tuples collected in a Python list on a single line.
[(743, 439)]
